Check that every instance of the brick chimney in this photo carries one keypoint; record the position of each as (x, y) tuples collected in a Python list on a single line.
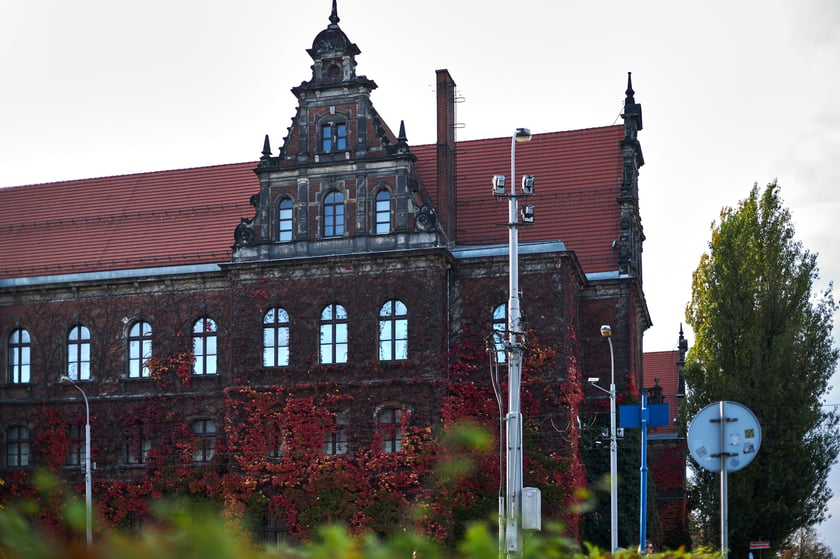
[(445, 195)]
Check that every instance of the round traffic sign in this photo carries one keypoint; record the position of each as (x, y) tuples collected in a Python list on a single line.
[(735, 447)]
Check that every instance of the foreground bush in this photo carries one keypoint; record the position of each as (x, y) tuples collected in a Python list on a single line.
[(185, 533)]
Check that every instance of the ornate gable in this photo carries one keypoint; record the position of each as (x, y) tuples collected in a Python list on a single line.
[(342, 181)]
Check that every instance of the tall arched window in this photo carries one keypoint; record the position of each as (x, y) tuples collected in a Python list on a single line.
[(383, 212), (333, 334), (78, 353), (393, 331), (334, 214), (276, 338), (20, 348), (139, 349), (499, 332), (285, 220), (204, 346)]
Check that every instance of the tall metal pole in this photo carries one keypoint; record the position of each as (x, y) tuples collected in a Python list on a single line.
[(724, 491), (513, 492), (606, 332), (643, 470), (88, 491)]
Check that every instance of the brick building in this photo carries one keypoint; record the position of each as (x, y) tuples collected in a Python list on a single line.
[(360, 266)]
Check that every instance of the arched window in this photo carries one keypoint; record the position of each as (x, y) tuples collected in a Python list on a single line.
[(20, 348), (285, 220), (334, 214), (393, 331), (276, 338), (204, 346), (139, 349), (78, 353), (389, 427), (333, 334), (499, 332), (382, 212)]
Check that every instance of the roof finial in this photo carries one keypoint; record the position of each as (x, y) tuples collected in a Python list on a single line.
[(266, 152), (629, 91), (334, 15), (402, 137)]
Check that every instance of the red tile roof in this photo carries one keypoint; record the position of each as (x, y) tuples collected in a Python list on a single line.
[(188, 216), (578, 180), (131, 221), (662, 365)]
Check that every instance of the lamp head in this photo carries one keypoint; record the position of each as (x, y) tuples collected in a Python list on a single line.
[(522, 135), (65, 380), (592, 379), (606, 331)]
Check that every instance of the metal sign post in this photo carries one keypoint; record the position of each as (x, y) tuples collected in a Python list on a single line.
[(724, 437), (643, 416)]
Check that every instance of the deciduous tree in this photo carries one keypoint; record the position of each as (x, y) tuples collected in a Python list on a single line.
[(763, 338)]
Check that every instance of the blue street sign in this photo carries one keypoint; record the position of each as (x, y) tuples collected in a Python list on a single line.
[(631, 416)]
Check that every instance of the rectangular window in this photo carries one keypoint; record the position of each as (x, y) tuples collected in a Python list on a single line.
[(17, 447), (326, 138), (341, 137), (205, 443), (76, 446), (390, 429), (137, 452)]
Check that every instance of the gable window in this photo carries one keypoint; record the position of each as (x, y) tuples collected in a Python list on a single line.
[(383, 212), (204, 346), (333, 334), (336, 442), (393, 331), (205, 443), (17, 447), (78, 353), (276, 338), (284, 220), (334, 214), (334, 136), (499, 331), (389, 427), (75, 446), (20, 348), (139, 349)]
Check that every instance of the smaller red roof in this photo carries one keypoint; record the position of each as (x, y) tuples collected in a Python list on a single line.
[(661, 367)]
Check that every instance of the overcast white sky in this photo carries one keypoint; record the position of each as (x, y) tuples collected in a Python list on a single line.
[(733, 93)]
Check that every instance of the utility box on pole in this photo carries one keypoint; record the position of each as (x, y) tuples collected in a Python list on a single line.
[(531, 508)]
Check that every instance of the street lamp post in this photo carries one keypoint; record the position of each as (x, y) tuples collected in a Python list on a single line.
[(513, 464), (606, 332), (88, 492)]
